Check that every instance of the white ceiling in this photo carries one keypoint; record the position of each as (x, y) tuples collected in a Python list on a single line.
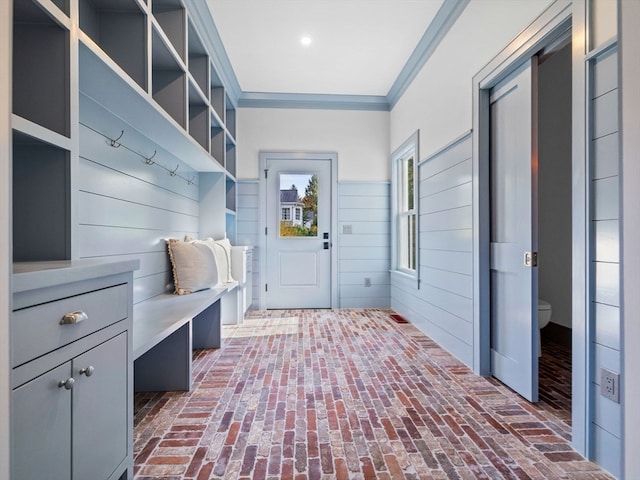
[(358, 46)]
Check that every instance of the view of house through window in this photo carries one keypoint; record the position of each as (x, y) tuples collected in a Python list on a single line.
[(406, 213), (298, 205)]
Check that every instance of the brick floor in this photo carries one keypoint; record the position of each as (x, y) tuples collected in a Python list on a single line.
[(346, 394)]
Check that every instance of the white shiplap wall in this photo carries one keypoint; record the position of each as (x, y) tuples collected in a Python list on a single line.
[(605, 222), (364, 209), (443, 305), (126, 208), (364, 253)]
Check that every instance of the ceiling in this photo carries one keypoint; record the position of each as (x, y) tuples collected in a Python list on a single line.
[(358, 47)]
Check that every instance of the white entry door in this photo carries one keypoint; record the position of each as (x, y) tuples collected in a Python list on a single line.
[(514, 282), (298, 245)]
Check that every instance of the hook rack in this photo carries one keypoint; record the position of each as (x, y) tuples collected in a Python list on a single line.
[(115, 143)]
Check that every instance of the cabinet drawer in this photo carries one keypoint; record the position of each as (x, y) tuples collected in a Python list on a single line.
[(37, 330)]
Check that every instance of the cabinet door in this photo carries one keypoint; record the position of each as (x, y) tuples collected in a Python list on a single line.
[(41, 427), (100, 409)]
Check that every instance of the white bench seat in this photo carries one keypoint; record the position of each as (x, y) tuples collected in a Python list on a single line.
[(165, 330)]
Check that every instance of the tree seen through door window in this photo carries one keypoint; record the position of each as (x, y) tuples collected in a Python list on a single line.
[(304, 220)]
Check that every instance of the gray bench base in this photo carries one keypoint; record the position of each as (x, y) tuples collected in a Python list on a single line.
[(167, 328)]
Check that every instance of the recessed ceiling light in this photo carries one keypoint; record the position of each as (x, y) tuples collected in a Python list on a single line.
[(306, 40)]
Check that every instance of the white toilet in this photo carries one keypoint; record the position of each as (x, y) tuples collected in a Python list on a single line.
[(544, 315)]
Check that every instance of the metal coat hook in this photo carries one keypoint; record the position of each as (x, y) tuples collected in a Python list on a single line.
[(114, 142), (173, 172), (149, 161), (190, 181)]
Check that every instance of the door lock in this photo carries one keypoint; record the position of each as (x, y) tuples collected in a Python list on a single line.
[(530, 259)]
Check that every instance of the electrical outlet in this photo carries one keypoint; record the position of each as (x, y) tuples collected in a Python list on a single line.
[(367, 282), (610, 385)]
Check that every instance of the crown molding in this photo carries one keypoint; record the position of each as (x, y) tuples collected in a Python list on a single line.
[(313, 100), (436, 31)]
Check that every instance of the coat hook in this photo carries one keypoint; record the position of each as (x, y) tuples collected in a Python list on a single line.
[(114, 143), (190, 181), (173, 172), (149, 161)]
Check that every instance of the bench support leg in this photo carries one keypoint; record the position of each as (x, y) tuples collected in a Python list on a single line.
[(167, 366), (206, 327)]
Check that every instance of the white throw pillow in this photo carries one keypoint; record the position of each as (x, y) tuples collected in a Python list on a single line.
[(194, 266)]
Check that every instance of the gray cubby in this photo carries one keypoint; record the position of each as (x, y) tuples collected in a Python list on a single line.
[(198, 61), (119, 28), (231, 194), (41, 201), (217, 143), (198, 118), (168, 81), (230, 156), (217, 94), (230, 118), (40, 51), (171, 17)]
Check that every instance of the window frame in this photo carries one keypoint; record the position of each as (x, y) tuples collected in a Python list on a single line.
[(401, 212)]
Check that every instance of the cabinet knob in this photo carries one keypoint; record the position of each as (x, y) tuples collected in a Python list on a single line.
[(87, 371), (74, 317), (67, 384)]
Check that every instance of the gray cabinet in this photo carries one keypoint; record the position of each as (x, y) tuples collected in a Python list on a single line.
[(71, 357)]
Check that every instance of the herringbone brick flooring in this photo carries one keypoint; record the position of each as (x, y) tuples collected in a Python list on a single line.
[(346, 394)]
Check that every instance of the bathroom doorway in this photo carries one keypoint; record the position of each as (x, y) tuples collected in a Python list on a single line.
[(530, 218), (555, 226)]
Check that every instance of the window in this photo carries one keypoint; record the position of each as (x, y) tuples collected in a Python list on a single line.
[(298, 214), (405, 161), (286, 214)]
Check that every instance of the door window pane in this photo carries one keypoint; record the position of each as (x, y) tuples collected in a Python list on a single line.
[(299, 194)]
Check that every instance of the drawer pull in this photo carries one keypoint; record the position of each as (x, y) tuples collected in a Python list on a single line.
[(87, 371), (74, 317), (68, 383)]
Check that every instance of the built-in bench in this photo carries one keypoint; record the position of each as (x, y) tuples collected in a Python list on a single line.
[(167, 327)]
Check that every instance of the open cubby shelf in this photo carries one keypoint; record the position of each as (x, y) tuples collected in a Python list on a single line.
[(41, 200), (41, 50), (168, 81), (198, 60), (119, 28), (217, 144), (171, 17), (198, 117)]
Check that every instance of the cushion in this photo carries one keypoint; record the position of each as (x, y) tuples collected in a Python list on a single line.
[(194, 266)]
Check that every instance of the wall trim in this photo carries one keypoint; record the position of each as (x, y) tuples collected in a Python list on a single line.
[(313, 101), (436, 31), (448, 146)]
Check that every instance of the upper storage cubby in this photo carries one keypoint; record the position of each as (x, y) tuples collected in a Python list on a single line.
[(198, 117), (119, 28), (230, 118), (41, 201), (217, 95), (198, 61), (168, 80), (171, 17), (41, 88)]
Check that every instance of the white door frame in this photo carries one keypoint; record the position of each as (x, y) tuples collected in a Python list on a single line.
[(555, 20), (262, 215)]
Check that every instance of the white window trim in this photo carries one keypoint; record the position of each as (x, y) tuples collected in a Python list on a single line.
[(410, 147)]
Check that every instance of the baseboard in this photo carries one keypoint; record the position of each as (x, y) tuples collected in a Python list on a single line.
[(556, 333)]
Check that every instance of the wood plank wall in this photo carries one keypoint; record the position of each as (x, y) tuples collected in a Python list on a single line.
[(363, 253), (605, 254), (443, 305), (126, 208)]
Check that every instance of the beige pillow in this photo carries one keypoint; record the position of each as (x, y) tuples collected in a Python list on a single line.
[(194, 266)]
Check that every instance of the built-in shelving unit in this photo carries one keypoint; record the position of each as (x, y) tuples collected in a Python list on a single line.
[(146, 63)]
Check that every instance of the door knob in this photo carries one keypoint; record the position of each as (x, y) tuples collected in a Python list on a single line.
[(67, 384), (87, 371)]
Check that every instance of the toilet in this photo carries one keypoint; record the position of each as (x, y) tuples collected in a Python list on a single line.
[(544, 315)]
